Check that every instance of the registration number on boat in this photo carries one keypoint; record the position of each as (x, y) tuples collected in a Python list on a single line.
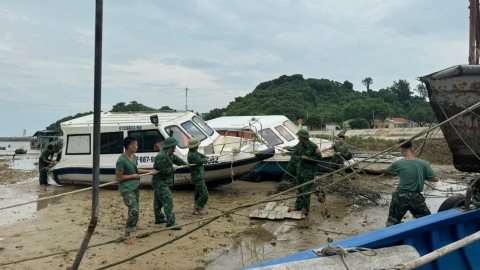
[(129, 128), (146, 159)]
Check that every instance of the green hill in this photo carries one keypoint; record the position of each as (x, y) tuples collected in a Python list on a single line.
[(322, 101)]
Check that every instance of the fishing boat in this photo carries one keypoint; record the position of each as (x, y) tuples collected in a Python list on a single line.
[(42, 138), (451, 91), (273, 130), (232, 156)]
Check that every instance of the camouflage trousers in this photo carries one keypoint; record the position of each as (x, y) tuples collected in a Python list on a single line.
[(201, 194), (131, 200), (403, 201), (162, 198), (291, 170), (303, 201), (43, 178)]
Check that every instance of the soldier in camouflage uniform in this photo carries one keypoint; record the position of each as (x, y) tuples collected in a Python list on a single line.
[(309, 154), (163, 180), (412, 172), (196, 161), (126, 174), (291, 170)]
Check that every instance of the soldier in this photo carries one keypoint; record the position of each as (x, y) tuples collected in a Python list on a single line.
[(196, 161), (341, 153), (307, 168), (126, 174), (291, 170), (162, 182), (412, 172), (45, 159)]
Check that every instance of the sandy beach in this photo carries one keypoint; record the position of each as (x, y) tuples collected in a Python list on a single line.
[(229, 242)]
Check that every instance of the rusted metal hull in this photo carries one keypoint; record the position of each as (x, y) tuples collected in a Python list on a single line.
[(450, 92)]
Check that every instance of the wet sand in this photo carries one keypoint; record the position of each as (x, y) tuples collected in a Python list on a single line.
[(230, 242)]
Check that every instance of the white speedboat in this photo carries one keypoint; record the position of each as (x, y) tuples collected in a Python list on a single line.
[(272, 130), (233, 156)]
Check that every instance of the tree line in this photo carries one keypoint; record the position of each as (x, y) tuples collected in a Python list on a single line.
[(323, 101)]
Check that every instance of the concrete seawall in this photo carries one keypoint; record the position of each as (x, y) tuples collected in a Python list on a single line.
[(383, 133), (15, 139)]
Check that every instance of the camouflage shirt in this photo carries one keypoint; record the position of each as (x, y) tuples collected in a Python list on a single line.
[(198, 171), (164, 165), (309, 150)]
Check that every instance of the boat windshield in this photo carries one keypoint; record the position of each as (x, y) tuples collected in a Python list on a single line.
[(284, 133), (270, 137), (178, 134), (291, 126), (203, 125), (194, 130)]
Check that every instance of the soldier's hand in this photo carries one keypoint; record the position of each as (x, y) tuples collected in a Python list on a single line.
[(304, 157), (153, 171), (284, 154), (135, 176)]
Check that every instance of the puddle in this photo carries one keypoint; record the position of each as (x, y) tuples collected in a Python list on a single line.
[(26, 164), (24, 192)]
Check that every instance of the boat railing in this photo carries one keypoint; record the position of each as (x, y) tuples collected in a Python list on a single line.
[(320, 136)]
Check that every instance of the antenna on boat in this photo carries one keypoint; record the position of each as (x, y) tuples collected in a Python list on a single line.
[(474, 37), (97, 101)]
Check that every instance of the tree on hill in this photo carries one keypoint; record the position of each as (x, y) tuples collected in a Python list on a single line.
[(367, 82), (133, 106), (402, 90), (421, 89)]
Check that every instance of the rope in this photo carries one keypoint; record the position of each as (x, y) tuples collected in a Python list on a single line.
[(68, 193), (269, 198), (340, 251)]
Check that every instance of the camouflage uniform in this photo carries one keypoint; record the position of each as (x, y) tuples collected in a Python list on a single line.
[(291, 167), (42, 166), (307, 170), (407, 197), (403, 201), (131, 200), (198, 178), (161, 182)]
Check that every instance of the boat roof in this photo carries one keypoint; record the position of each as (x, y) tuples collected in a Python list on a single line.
[(459, 70), (232, 122), (138, 118), (47, 132)]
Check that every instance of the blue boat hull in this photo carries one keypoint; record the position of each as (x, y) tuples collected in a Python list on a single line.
[(425, 234)]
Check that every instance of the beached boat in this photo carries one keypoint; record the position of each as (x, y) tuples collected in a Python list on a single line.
[(233, 156), (364, 162), (42, 138), (273, 130)]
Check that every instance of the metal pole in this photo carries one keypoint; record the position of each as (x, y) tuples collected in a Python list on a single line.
[(97, 84), (186, 102), (472, 56)]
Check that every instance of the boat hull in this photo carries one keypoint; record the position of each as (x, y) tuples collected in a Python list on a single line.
[(425, 234), (214, 173), (451, 91)]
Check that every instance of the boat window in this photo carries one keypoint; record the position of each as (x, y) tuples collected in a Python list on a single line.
[(178, 134), (147, 139), (194, 130), (203, 125), (111, 143), (270, 137), (78, 144), (284, 133), (291, 126)]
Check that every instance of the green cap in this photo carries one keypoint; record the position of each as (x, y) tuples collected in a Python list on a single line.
[(169, 142), (194, 142), (303, 133)]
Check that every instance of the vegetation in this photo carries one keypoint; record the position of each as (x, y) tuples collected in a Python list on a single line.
[(323, 101)]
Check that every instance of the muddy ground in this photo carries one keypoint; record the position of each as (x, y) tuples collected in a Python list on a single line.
[(230, 242)]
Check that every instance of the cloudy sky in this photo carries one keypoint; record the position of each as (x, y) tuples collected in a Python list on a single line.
[(219, 49)]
